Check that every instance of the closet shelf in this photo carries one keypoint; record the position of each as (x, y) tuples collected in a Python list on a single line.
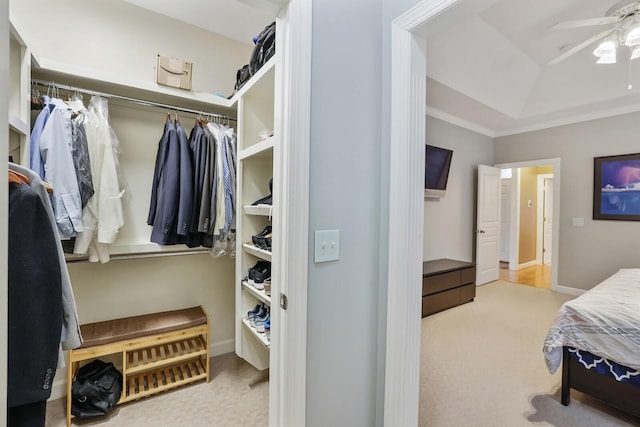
[(254, 81), (261, 337), (260, 210), (18, 125), (256, 251), (261, 295), (261, 149), (99, 80)]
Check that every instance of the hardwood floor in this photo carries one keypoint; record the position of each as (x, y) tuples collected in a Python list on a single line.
[(538, 276)]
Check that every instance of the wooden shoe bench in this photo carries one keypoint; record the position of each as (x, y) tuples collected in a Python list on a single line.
[(160, 351)]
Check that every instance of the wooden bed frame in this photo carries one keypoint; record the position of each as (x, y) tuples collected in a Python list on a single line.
[(620, 395)]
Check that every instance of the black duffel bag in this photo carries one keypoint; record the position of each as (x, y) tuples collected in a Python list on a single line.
[(264, 49), (95, 390)]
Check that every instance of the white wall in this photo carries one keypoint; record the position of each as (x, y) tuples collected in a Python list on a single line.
[(449, 221), (120, 38), (345, 194), (588, 254)]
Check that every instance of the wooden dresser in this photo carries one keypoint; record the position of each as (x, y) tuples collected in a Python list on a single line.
[(446, 283)]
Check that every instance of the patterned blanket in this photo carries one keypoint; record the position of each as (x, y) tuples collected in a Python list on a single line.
[(605, 321)]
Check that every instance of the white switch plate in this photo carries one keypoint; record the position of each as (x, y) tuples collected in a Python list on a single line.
[(578, 222), (327, 244)]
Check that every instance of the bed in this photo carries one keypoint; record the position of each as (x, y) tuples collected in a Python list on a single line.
[(596, 339)]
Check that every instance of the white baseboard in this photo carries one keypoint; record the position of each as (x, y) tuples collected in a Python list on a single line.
[(59, 387), (570, 291), (526, 264)]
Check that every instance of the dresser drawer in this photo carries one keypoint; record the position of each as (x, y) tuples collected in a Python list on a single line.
[(468, 275), (443, 300), (440, 282)]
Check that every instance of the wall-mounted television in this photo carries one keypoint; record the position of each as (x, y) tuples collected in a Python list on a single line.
[(436, 173)]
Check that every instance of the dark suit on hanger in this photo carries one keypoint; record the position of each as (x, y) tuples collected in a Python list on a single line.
[(35, 309)]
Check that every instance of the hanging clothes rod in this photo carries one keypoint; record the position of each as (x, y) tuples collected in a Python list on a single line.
[(50, 84)]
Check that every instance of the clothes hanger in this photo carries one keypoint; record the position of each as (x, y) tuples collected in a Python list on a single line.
[(18, 178)]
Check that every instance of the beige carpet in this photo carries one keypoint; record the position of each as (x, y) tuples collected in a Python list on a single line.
[(236, 396), (482, 365)]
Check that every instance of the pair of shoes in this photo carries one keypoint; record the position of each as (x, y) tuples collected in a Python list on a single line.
[(260, 322), (263, 239), (259, 273), (267, 286), (257, 321), (251, 314), (256, 237), (268, 200)]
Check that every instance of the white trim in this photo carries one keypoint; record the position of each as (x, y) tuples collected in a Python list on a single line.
[(4, 201), (570, 291), (526, 265), (555, 239), (406, 207), (540, 216), (288, 365), (455, 120)]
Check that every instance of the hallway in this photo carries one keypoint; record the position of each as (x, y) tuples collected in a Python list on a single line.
[(538, 276)]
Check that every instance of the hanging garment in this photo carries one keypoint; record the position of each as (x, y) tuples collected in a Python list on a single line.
[(185, 198), (103, 215), (35, 161), (70, 336), (34, 293), (198, 146), (80, 152), (55, 151), (163, 211)]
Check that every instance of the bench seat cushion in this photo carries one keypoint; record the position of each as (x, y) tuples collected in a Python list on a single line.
[(127, 328)]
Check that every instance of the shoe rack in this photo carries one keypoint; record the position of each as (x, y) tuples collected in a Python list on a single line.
[(256, 142)]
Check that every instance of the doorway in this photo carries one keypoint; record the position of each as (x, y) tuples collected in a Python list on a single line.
[(527, 225)]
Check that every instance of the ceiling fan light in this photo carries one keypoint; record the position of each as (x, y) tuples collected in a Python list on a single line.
[(633, 37), (607, 58), (605, 48)]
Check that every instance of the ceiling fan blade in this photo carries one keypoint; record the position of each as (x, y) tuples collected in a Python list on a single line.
[(605, 20), (581, 46)]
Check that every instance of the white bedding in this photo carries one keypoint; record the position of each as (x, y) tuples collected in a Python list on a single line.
[(604, 321)]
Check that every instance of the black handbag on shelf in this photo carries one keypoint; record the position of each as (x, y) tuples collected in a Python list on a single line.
[(264, 49), (95, 390)]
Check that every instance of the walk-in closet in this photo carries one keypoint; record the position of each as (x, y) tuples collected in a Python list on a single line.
[(111, 52)]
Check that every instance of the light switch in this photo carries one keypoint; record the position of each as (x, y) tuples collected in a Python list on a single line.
[(327, 243), (578, 222)]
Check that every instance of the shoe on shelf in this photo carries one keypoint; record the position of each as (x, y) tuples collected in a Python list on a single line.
[(263, 242), (267, 200), (255, 238), (267, 286), (259, 272), (259, 316), (267, 328), (255, 310), (260, 322)]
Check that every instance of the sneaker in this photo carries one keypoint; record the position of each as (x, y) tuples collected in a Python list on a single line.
[(261, 316), (267, 328), (259, 272), (256, 237), (255, 310), (261, 321), (267, 286)]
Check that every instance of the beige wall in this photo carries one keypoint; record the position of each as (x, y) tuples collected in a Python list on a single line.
[(528, 214), (587, 254)]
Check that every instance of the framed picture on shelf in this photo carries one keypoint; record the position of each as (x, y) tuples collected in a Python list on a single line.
[(616, 187)]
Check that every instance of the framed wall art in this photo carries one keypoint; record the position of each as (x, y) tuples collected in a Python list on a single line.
[(616, 187)]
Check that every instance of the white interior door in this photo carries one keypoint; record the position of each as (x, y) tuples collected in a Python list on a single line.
[(488, 225), (547, 221), (505, 218)]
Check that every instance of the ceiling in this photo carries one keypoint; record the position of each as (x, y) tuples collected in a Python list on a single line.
[(487, 67), (218, 16), (486, 60)]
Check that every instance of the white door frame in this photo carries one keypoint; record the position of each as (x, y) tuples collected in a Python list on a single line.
[(406, 213), (540, 217), (4, 201), (288, 364), (555, 230)]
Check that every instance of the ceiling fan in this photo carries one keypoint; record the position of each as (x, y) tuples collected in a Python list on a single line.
[(625, 17)]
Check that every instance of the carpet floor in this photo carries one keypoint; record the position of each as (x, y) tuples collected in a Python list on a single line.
[(482, 365)]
